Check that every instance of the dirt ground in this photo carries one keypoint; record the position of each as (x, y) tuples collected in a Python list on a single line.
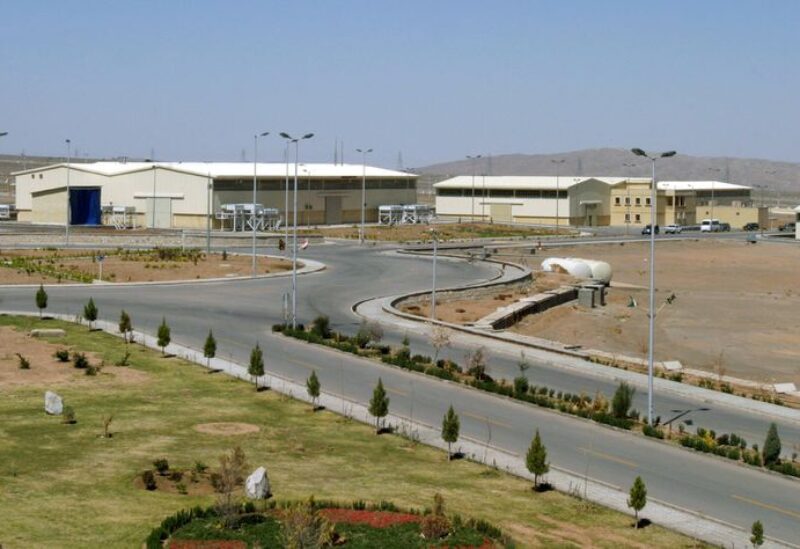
[(735, 306), (448, 231), (45, 370), (146, 267), (226, 429), (466, 311)]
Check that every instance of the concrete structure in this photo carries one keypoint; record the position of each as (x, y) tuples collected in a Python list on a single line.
[(527, 199), (180, 195), (684, 203)]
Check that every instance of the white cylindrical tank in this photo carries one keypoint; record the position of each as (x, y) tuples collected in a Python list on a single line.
[(601, 271), (569, 265)]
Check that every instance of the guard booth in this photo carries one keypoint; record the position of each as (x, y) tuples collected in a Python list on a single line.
[(84, 206)]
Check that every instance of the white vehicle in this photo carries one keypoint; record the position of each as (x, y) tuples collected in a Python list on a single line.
[(673, 229), (710, 226)]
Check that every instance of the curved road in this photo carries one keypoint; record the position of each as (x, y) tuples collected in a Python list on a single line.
[(242, 313)]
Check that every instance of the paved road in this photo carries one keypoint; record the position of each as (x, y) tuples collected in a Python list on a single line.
[(241, 313)]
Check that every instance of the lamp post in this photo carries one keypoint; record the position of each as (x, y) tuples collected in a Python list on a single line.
[(296, 141), (8, 180), (651, 293), (472, 159), (255, 180), (69, 202), (435, 238), (558, 189), (713, 184), (286, 203), (364, 153), (209, 194)]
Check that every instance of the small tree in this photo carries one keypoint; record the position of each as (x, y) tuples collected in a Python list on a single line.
[(125, 326), (536, 459), (637, 498), (772, 446), (623, 398), (41, 299), (368, 332), (321, 326), (164, 335), (379, 405), (210, 348), (256, 367), (440, 339), (231, 474), (451, 426), (90, 312), (313, 387), (757, 534), (476, 363), (521, 383)]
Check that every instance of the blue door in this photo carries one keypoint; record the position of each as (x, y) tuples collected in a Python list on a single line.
[(84, 206)]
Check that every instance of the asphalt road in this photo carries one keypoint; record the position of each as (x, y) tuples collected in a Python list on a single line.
[(242, 312)]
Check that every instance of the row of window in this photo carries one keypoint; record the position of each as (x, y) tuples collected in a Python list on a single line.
[(501, 193), (317, 184), (638, 201)]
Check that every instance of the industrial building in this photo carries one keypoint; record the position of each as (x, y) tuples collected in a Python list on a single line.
[(594, 201), (526, 199), (187, 194), (685, 203)]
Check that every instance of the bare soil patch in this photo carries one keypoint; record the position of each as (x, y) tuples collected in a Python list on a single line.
[(735, 307), (226, 429), (51, 266), (449, 231), (45, 369), (467, 311)]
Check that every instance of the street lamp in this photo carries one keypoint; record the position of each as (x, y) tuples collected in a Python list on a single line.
[(651, 293), (364, 153), (435, 238), (296, 141), (558, 188), (8, 179), (472, 160), (286, 202), (253, 212), (69, 204), (716, 170)]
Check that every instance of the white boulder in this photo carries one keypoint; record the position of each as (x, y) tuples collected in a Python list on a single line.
[(257, 485), (53, 404)]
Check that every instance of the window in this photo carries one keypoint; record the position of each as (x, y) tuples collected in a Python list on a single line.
[(616, 201), (528, 194), (669, 201), (638, 201), (627, 200), (627, 218), (638, 218), (647, 201)]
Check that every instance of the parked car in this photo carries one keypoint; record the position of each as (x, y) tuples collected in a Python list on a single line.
[(672, 229), (646, 229), (725, 227), (751, 227), (789, 227), (709, 226)]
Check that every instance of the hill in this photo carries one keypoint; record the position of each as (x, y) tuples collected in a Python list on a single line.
[(780, 180)]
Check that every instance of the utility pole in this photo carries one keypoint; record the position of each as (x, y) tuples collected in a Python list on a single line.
[(364, 153)]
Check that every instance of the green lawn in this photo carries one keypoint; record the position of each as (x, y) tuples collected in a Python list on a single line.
[(65, 486)]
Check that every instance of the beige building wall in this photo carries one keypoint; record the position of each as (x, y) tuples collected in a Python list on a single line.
[(49, 207), (630, 203), (736, 216)]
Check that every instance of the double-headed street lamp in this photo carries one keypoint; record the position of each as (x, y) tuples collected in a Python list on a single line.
[(651, 295), (558, 189), (296, 141), (69, 202), (255, 180), (364, 153), (472, 160)]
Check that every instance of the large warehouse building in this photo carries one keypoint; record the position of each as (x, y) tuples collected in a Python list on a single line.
[(184, 194), (594, 201)]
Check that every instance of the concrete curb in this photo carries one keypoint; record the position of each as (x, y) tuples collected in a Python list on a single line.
[(673, 517)]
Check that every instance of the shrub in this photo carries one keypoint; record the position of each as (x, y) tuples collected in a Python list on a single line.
[(92, 370), (24, 363), (161, 465), (62, 355), (79, 360), (734, 454), (149, 480), (435, 525), (125, 359), (68, 415), (321, 326), (303, 526), (520, 386), (772, 446), (175, 475), (181, 487), (651, 431)]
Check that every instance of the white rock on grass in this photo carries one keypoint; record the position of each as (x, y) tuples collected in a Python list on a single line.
[(257, 485), (53, 404)]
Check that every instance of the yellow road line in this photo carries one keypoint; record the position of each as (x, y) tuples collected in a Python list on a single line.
[(609, 457), (767, 506), (485, 419), (395, 391)]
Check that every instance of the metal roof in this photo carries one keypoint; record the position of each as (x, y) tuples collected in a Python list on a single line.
[(700, 186), (221, 170), (521, 182)]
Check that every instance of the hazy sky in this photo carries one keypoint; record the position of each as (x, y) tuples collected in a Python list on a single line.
[(435, 79)]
